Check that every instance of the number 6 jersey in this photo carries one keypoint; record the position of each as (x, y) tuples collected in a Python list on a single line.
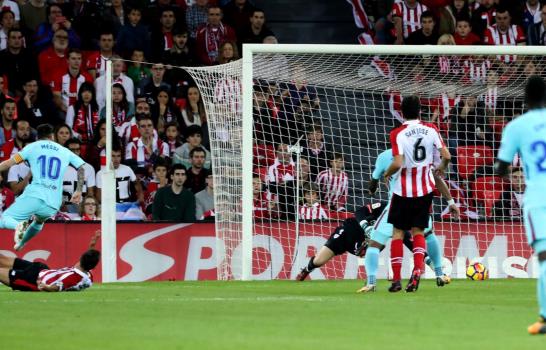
[(48, 162), (416, 141)]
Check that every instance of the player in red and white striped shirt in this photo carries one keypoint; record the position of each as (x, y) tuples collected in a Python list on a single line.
[(406, 16), (413, 145), (25, 275), (504, 33), (311, 209), (334, 184)]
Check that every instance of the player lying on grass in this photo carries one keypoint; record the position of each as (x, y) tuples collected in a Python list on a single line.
[(25, 275), (42, 198), (526, 135), (353, 237), (383, 231)]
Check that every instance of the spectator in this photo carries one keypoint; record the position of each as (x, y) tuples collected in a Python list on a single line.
[(7, 22), (126, 206), (263, 203), (53, 61), (193, 141), (164, 111), (6, 196), (21, 139), (118, 77), (37, 105), (283, 169), (129, 130), (535, 33), (237, 14), (147, 149), (162, 37), (211, 35), (17, 63), (255, 30), (3, 95), (62, 133), (96, 147), (334, 184), (196, 16), (483, 17), (197, 174), (458, 9), (402, 12), (152, 14), (228, 52), (149, 87), (65, 86), (172, 137), (463, 33), (180, 55), (96, 62), (510, 205), (426, 35), (132, 36), (55, 21), (204, 200), (158, 181), (13, 7), (531, 14), (83, 116), (70, 179), (298, 89), (311, 209), (33, 13), (315, 150), (114, 16), (504, 33), (85, 16), (122, 110), (8, 109), (193, 112), (174, 202), (138, 71), (89, 209)]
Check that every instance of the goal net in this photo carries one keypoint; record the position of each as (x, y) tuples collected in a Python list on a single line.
[(294, 157)]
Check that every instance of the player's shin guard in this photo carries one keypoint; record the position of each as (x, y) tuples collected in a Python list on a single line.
[(34, 228), (433, 249), (371, 262), (419, 248), (397, 255), (8, 222)]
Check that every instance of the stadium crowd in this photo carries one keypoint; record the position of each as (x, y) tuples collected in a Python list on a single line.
[(52, 70), (52, 67)]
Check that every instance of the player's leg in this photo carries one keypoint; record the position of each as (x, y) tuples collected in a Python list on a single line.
[(42, 213), (397, 256), (6, 261), (323, 256), (16, 213), (380, 235), (434, 251), (4, 275)]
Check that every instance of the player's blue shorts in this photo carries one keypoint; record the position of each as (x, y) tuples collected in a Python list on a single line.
[(533, 219), (24, 207), (382, 230)]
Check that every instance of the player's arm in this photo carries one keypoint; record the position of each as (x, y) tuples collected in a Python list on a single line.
[(445, 159), (444, 191), (94, 239), (507, 151), (77, 195), (372, 186), (5, 165), (396, 164), (47, 288)]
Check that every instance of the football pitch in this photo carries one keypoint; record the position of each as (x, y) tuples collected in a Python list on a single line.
[(281, 315)]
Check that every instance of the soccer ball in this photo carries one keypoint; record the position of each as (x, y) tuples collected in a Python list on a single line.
[(477, 272)]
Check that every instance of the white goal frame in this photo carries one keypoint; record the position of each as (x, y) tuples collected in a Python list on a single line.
[(247, 84)]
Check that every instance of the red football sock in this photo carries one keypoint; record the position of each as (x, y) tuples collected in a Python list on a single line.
[(419, 248), (397, 255)]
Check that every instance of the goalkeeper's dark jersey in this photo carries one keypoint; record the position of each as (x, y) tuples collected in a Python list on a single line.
[(353, 234)]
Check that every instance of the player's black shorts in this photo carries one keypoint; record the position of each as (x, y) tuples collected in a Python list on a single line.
[(346, 238), (24, 274), (408, 212)]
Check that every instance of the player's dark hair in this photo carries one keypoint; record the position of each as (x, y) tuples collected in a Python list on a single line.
[(176, 167), (411, 107), (90, 259), (535, 91), (197, 149), (44, 131)]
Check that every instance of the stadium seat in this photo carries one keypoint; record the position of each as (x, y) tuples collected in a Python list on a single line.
[(471, 157), (486, 190), (262, 171), (264, 155)]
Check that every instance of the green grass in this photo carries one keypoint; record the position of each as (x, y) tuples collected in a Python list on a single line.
[(273, 315)]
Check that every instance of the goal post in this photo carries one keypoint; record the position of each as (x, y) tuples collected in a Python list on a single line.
[(348, 103)]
